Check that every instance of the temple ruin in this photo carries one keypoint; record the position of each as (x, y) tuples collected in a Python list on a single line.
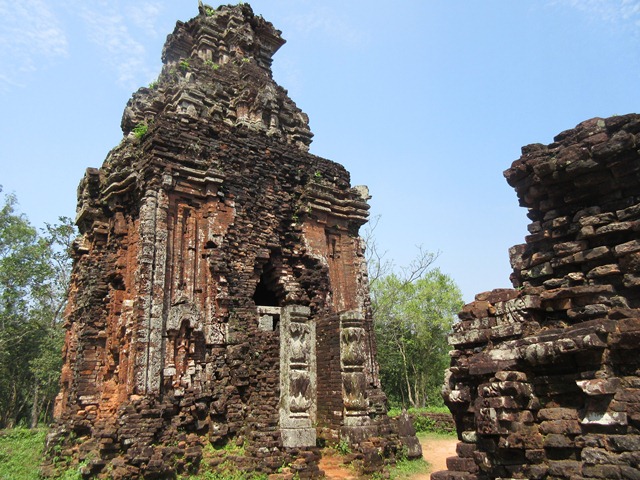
[(544, 380), (219, 295)]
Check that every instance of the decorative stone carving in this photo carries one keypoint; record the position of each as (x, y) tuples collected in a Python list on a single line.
[(354, 381), (297, 377), (353, 348)]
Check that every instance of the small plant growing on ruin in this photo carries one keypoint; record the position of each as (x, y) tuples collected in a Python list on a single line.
[(209, 11), (184, 65), (245, 60), (140, 130), (343, 448), (153, 85), (212, 64)]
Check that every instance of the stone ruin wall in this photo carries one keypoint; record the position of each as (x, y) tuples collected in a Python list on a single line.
[(544, 380), (219, 293)]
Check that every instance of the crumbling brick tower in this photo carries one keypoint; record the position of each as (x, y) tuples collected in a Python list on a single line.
[(545, 378), (219, 290)]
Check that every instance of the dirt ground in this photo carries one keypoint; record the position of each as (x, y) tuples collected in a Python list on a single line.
[(435, 450), (334, 469)]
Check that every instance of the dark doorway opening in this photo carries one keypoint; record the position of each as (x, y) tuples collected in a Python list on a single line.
[(265, 293)]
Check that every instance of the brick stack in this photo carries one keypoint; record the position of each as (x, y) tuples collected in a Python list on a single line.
[(545, 378)]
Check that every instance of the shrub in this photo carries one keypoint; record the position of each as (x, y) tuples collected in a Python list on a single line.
[(343, 448), (422, 422)]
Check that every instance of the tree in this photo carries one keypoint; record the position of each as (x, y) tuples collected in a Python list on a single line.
[(413, 312), (46, 366), (412, 320), (33, 288)]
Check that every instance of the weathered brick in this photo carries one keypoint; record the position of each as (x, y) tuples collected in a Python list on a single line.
[(577, 347), (564, 468), (601, 471)]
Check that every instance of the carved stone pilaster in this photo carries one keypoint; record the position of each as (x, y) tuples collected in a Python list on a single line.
[(152, 259), (353, 354), (297, 377)]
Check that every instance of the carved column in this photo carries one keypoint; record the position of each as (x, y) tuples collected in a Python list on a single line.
[(152, 259), (297, 377), (353, 354)]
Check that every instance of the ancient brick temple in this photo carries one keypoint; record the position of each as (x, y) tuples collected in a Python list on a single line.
[(219, 292), (545, 379)]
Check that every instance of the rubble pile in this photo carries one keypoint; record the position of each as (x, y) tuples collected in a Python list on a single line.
[(545, 378)]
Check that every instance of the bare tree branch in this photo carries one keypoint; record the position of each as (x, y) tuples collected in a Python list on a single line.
[(377, 265)]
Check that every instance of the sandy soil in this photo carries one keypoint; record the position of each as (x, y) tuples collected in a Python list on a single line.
[(435, 450)]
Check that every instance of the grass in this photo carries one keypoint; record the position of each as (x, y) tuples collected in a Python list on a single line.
[(405, 469), (426, 436), (224, 472), (395, 411), (21, 453)]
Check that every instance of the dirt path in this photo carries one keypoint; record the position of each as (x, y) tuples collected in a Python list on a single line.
[(333, 468), (435, 450)]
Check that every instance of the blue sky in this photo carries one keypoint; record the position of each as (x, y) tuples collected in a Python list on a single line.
[(426, 102)]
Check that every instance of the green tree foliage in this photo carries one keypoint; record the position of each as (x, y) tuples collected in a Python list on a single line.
[(413, 312), (412, 321), (34, 271)]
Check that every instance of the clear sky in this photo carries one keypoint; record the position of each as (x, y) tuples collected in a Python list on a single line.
[(424, 101)]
